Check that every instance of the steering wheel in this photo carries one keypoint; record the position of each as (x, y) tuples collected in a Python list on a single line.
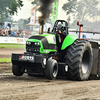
[(55, 30)]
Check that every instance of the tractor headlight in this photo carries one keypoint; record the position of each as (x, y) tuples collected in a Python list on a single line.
[(37, 43), (28, 43)]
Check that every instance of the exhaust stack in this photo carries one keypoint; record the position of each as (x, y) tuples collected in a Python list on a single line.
[(41, 29), (42, 22)]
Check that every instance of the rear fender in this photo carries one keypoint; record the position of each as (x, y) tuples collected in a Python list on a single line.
[(96, 62), (69, 39)]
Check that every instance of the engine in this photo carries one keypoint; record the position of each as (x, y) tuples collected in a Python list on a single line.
[(41, 44)]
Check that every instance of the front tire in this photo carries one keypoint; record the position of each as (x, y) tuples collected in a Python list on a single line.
[(79, 59), (17, 70), (51, 69)]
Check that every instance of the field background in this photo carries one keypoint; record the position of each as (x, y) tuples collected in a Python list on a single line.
[(12, 46), (9, 47)]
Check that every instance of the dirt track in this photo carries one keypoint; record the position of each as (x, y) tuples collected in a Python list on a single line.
[(39, 88), (6, 53)]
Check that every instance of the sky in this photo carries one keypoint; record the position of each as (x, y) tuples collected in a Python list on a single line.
[(25, 11)]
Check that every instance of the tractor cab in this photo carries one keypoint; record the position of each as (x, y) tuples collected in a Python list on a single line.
[(60, 30)]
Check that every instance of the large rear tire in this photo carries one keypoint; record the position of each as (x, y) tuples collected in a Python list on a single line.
[(17, 70), (51, 69), (79, 58)]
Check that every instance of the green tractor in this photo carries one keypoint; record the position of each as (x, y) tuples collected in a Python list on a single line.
[(58, 53)]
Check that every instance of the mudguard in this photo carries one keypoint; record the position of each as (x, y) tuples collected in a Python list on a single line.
[(69, 39)]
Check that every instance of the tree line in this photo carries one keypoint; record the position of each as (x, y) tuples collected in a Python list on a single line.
[(8, 8)]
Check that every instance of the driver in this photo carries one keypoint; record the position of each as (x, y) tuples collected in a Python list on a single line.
[(61, 31)]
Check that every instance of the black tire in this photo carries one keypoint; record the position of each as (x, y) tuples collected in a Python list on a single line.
[(51, 69), (93, 77), (79, 58), (17, 70), (29, 72)]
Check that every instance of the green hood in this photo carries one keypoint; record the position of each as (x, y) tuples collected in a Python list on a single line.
[(49, 37), (47, 42)]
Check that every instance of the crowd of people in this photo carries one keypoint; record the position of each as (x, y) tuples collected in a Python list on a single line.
[(9, 32)]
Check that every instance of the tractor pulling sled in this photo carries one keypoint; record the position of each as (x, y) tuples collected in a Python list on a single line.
[(59, 53)]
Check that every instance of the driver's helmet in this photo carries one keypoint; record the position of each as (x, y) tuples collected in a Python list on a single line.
[(60, 27)]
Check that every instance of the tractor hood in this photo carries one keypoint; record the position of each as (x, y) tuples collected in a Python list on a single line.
[(50, 38), (47, 42)]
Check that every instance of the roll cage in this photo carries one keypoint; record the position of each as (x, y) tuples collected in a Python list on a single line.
[(65, 26)]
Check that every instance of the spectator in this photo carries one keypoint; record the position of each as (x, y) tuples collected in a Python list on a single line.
[(3, 32), (9, 32), (18, 33), (23, 33), (6, 32), (84, 36), (0, 31), (13, 33)]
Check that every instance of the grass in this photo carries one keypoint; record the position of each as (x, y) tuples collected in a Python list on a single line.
[(12, 46), (5, 60)]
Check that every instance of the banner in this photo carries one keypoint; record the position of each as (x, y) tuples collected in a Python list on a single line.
[(16, 40), (54, 11), (33, 15)]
